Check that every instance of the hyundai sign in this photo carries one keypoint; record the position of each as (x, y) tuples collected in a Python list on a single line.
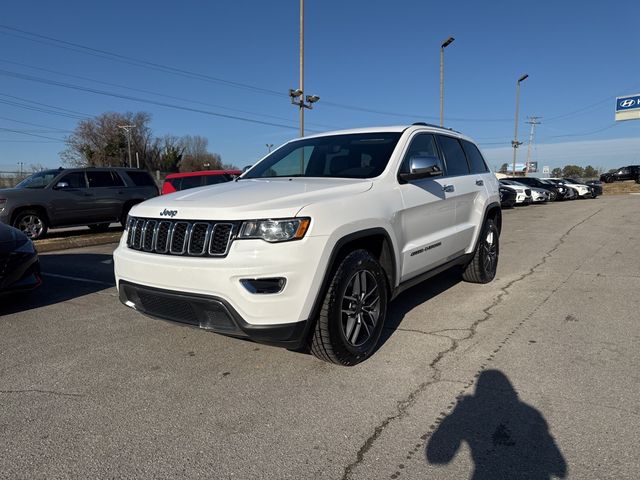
[(628, 108)]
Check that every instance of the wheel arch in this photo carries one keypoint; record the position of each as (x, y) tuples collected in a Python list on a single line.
[(378, 241), (37, 207)]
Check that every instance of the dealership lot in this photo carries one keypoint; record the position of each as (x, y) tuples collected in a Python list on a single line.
[(89, 388)]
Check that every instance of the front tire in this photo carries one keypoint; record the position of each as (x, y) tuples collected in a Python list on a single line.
[(32, 223), (483, 265), (353, 312)]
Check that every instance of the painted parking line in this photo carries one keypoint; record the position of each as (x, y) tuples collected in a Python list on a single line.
[(77, 279)]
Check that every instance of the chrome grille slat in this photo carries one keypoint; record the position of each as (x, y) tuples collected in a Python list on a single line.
[(195, 238)]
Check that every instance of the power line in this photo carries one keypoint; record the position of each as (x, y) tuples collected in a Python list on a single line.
[(38, 107), (35, 125), (132, 61), (137, 99), (150, 92), (51, 41), (30, 134)]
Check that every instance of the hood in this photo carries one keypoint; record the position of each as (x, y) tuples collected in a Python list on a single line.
[(516, 188), (248, 199), (10, 238)]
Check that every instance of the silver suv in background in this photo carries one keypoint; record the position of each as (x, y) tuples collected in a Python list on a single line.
[(94, 197)]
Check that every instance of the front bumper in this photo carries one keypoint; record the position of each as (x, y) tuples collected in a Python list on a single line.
[(209, 313), (19, 272), (301, 263)]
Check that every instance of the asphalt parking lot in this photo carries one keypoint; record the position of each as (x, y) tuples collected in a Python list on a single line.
[(538, 371)]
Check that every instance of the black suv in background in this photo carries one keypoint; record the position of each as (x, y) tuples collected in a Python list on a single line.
[(94, 197), (558, 192), (631, 172)]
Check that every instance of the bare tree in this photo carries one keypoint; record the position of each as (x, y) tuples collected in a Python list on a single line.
[(100, 141), (196, 155)]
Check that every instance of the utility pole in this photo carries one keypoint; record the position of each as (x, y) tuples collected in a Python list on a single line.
[(127, 128), (533, 121), (20, 165)]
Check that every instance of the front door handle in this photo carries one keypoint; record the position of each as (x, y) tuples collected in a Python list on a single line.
[(479, 183), (449, 188)]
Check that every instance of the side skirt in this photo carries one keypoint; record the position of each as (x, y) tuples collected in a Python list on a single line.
[(461, 260)]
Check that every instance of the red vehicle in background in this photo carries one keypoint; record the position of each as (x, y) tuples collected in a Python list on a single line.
[(182, 181)]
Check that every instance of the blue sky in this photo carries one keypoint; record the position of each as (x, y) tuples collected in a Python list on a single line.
[(360, 55)]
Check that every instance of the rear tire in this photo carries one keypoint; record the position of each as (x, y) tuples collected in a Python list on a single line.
[(483, 265), (32, 223), (353, 312)]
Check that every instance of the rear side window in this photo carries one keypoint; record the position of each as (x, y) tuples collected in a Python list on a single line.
[(476, 162), (102, 179), (454, 156), (213, 179), (141, 178)]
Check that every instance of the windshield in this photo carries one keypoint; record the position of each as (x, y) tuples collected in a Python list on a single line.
[(362, 155), (39, 180)]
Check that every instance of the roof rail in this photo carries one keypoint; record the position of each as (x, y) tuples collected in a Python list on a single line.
[(425, 124)]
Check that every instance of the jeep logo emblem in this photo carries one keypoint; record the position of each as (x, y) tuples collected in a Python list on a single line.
[(168, 213)]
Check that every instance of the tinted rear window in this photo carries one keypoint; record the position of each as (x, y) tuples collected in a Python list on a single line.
[(213, 179), (190, 182), (454, 156), (476, 162), (141, 178), (102, 179)]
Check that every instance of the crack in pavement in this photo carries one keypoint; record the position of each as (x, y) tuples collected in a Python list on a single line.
[(404, 404), (46, 392)]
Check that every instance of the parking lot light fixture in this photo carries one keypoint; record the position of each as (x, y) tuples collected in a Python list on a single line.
[(515, 143), (444, 45)]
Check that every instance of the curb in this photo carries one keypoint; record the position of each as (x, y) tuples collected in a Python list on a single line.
[(54, 244)]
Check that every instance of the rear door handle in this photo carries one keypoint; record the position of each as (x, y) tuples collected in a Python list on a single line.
[(449, 188), (479, 183)]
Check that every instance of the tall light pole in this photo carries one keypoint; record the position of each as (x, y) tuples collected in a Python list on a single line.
[(297, 95), (127, 128), (444, 45), (515, 143), (269, 147)]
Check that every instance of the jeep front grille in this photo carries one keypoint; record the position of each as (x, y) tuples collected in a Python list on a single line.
[(181, 237)]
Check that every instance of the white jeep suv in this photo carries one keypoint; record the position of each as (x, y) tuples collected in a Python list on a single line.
[(308, 247)]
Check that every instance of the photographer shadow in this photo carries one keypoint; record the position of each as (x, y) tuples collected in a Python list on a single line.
[(508, 439)]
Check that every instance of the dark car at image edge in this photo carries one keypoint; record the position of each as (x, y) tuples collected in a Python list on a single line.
[(19, 265), (93, 197)]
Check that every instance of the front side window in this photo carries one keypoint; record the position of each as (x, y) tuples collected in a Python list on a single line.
[(422, 145), (362, 155), (75, 180), (453, 156)]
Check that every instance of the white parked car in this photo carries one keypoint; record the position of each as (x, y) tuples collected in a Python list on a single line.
[(540, 195), (308, 247), (583, 191), (523, 192)]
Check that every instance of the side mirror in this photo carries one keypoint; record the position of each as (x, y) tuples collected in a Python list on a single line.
[(422, 167), (246, 168), (61, 185)]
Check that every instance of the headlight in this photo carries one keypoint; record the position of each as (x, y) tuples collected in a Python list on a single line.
[(280, 230)]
